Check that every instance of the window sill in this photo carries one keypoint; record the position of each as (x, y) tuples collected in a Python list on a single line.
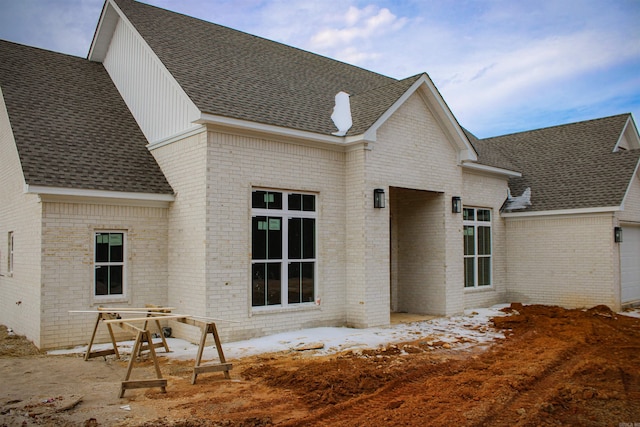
[(479, 289), (109, 299), (258, 311)]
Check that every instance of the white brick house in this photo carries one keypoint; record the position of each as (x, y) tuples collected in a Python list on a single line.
[(191, 165)]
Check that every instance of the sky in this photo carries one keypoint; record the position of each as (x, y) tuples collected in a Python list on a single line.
[(502, 66)]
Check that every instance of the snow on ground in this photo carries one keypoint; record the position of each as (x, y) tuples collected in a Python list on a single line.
[(467, 330), (462, 331)]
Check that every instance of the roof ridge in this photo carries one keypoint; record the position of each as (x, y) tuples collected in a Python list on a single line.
[(556, 126)]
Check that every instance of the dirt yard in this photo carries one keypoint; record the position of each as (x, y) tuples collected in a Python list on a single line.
[(555, 367)]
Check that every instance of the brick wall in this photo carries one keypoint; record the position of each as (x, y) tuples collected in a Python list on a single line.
[(19, 213), (488, 191), (68, 270), (562, 260)]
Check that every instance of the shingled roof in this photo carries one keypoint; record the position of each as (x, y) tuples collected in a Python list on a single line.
[(71, 127), (234, 74), (571, 166)]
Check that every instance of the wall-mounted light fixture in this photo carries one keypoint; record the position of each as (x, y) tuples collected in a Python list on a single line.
[(378, 198), (456, 204), (617, 234)]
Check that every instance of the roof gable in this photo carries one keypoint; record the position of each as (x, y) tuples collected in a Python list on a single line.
[(71, 128), (570, 167)]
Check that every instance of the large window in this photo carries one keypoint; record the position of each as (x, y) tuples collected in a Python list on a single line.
[(283, 248), (477, 247), (109, 263)]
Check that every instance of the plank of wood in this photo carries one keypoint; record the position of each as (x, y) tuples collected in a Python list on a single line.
[(212, 367), (145, 319)]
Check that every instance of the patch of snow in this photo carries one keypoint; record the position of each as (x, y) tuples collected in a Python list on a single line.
[(341, 115), (631, 312), (463, 331)]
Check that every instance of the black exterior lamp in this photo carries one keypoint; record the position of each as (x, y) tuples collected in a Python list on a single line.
[(617, 234), (378, 198), (456, 204)]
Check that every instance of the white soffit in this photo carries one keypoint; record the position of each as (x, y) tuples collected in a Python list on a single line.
[(99, 196), (490, 169)]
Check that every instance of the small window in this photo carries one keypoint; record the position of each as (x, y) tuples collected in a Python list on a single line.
[(10, 253), (109, 263)]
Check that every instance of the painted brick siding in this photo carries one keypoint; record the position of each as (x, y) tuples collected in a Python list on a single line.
[(413, 152), (236, 164), (551, 260), (488, 191), (68, 269), (20, 213), (184, 164)]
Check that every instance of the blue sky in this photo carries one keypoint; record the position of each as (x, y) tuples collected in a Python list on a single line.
[(502, 66)]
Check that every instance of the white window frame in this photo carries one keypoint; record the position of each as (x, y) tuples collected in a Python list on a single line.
[(125, 248), (475, 223), (284, 214), (10, 252)]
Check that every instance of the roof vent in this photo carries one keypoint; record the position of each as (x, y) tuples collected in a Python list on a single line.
[(342, 114), (519, 202)]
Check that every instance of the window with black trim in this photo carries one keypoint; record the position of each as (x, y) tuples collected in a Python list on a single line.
[(283, 253), (109, 278), (477, 247)]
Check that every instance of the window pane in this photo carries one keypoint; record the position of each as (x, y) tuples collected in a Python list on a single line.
[(308, 281), (295, 282), (309, 203), (484, 240), (484, 271), (484, 215), (469, 272), (102, 280), (258, 200), (274, 284), (266, 200), (468, 214), (274, 239), (469, 247), (295, 238), (259, 284), (259, 237), (102, 248), (308, 238), (116, 247), (295, 202), (115, 279)]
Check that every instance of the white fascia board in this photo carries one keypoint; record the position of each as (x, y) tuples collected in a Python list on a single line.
[(207, 118), (491, 170), (581, 211), (177, 137), (104, 32), (99, 195)]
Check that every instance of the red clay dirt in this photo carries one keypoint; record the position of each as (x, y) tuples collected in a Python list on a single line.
[(555, 367)]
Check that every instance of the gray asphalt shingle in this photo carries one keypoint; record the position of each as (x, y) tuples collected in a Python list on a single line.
[(570, 166), (72, 129)]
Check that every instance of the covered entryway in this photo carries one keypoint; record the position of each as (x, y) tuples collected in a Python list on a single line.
[(630, 264), (417, 251)]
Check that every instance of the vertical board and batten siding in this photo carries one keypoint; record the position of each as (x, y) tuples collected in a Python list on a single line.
[(155, 99), (20, 292), (563, 260)]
